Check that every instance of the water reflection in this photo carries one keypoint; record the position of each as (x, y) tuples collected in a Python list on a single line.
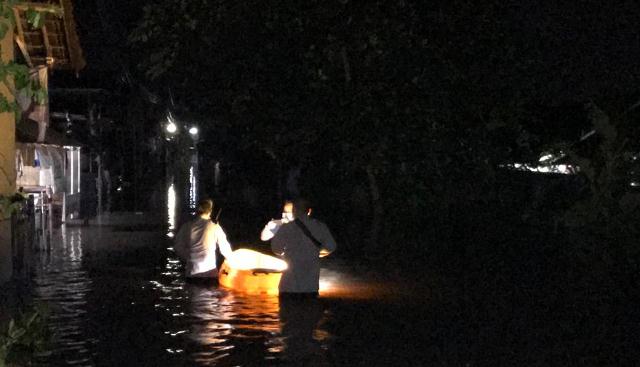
[(193, 199), (304, 342), (171, 209), (210, 325), (62, 284), (232, 327)]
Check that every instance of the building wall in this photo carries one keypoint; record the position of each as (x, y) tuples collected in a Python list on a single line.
[(7, 165), (7, 130)]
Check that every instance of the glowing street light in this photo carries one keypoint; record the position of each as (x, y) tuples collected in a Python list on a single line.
[(172, 127), (193, 131)]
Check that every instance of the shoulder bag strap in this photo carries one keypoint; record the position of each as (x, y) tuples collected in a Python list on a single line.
[(307, 233)]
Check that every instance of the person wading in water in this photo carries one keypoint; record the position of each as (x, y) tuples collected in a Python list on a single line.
[(301, 242), (196, 244)]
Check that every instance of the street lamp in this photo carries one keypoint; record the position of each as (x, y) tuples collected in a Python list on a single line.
[(171, 127), (193, 131)]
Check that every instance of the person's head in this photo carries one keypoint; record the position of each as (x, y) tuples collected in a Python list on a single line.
[(287, 210), (301, 207), (205, 207)]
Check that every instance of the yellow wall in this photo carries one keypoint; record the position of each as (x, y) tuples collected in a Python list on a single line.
[(7, 166), (7, 130)]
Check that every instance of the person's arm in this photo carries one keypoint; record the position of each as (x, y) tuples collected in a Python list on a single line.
[(223, 243), (269, 230)]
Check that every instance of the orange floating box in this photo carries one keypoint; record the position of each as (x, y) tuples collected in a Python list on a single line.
[(251, 272)]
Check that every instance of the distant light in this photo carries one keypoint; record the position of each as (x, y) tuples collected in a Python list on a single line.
[(171, 128), (634, 184), (546, 157), (193, 131), (564, 169)]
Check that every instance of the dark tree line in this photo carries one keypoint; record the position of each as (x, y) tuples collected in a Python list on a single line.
[(400, 111)]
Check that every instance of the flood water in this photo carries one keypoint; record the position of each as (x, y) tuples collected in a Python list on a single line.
[(116, 296)]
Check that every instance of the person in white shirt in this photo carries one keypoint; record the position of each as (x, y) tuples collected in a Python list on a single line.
[(196, 243), (273, 225), (302, 250)]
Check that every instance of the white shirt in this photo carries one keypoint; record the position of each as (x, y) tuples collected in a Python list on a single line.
[(301, 254), (196, 245)]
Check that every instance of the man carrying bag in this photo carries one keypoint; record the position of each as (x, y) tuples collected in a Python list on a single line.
[(300, 243)]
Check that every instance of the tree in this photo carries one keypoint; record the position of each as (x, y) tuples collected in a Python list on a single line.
[(415, 102)]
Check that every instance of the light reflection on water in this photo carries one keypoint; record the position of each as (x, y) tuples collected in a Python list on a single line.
[(171, 209), (63, 286), (193, 191), (219, 325)]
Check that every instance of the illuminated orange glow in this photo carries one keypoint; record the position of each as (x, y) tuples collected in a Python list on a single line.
[(245, 259), (331, 289), (338, 284), (251, 272)]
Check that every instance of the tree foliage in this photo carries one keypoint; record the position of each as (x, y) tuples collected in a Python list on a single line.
[(23, 337), (409, 104)]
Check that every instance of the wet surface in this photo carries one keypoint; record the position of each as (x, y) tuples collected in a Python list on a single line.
[(116, 296)]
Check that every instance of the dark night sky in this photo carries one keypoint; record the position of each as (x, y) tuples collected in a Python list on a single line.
[(591, 41), (577, 50), (103, 28)]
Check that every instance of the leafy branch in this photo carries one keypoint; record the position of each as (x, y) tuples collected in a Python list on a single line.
[(23, 337)]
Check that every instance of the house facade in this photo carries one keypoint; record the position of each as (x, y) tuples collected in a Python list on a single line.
[(52, 46)]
